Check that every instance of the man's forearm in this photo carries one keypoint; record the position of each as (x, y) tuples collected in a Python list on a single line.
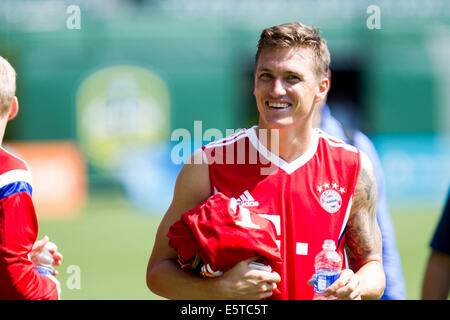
[(372, 280), (168, 280)]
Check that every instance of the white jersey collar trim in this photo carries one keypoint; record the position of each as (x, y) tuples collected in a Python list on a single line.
[(288, 167)]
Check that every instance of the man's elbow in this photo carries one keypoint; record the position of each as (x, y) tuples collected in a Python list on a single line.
[(381, 288), (151, 278), (378, 285), (373, 280), (382, 281), (155, 278)]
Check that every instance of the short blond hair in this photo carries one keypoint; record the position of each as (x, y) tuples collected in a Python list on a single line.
[(7, 86), (297, 35)]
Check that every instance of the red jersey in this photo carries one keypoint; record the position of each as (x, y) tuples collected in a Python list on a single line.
[(308, 200), (223, 233), (18, 232)]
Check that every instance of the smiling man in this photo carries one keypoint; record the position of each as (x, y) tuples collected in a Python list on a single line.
[(317, 187)]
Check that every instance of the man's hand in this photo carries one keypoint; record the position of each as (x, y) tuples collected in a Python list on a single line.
[(53, 249), (243, 282), (346, 287)]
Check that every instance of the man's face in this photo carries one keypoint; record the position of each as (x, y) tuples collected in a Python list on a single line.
[(286, 86)]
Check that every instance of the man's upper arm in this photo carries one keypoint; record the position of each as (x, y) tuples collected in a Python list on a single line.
[(191, 189), (363, 237)]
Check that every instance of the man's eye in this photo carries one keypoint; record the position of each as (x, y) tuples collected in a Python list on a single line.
[(293, 78), (265, 76)]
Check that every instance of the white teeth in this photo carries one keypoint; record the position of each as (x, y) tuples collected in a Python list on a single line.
[(278, 105)]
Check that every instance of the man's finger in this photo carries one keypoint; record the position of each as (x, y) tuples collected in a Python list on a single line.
[(274, 277), (40, 244), (350, 290), (52, 247), (310, 282), (339, 283), (264, 276), (57, 256), (272, 286)]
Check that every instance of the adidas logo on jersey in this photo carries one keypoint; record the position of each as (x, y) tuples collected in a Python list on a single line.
[(246, 200)]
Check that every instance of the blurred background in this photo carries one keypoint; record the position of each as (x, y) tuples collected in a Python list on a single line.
[(103, 86)]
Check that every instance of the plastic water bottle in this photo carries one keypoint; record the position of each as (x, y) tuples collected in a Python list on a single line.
[(44, 260), (328, 266)]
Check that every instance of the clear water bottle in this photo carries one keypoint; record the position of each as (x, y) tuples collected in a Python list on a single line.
[(327, 266), (44, 260)]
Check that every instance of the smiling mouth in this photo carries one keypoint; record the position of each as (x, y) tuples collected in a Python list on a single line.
[(278, 105)]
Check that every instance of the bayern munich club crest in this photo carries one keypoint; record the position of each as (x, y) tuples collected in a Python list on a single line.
[(330, 196)]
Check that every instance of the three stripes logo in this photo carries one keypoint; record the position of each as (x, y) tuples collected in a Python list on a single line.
[(246, 200)]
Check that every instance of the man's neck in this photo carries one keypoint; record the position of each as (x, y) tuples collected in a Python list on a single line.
[(317, 117), (3, 123), (287, 143)]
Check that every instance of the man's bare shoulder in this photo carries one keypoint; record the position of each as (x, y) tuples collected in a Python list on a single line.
[(193, 185)]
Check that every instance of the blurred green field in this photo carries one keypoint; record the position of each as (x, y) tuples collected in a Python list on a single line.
[(414, 229), (111, 242)]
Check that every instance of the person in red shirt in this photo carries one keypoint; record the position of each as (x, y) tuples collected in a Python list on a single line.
[(311, 186), (19, 280)]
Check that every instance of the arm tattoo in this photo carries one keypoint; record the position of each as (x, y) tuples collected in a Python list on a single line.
[(363, 237)]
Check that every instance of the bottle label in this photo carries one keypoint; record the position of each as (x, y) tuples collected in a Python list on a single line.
[(44, 271), (323, 281)]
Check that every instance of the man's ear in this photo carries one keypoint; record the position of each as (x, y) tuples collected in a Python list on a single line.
[(324, 86), (14, 109)]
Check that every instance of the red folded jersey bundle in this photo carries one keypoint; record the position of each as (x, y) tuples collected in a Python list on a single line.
[(221, 234)]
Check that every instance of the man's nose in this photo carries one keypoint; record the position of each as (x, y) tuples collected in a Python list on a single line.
[(277, 88)]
